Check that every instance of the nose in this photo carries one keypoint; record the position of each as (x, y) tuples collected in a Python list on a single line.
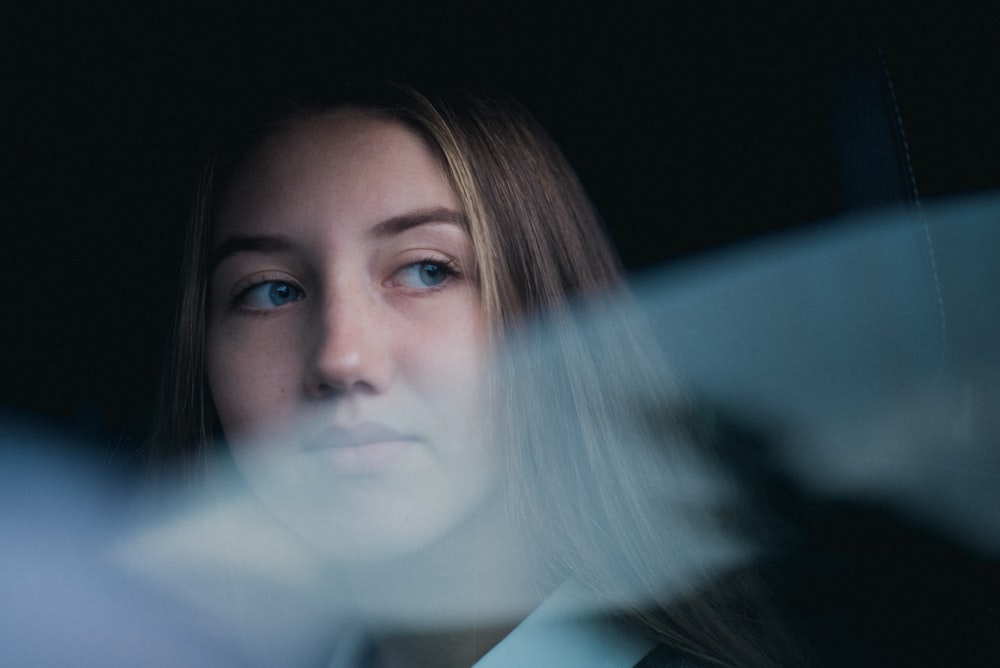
[(350, 350)]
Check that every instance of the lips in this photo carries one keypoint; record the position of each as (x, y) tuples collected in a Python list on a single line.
[(366, 448)]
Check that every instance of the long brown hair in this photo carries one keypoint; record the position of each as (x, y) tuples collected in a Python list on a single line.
[(539, 245), (537, 239)]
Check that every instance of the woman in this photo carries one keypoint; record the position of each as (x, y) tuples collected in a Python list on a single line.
[(352, 284)]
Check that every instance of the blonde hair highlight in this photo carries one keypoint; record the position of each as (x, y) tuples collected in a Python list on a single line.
[(539, 244)]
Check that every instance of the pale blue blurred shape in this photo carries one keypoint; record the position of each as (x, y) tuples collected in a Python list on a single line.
[(61, 602), (870, 345)]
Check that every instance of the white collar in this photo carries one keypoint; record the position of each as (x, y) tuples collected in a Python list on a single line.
[(560, 633)]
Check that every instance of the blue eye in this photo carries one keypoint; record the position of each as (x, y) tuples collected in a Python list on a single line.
[(424, 274), (270, 294)]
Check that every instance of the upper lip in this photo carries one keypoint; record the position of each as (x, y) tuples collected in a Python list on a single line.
[(355, 435)]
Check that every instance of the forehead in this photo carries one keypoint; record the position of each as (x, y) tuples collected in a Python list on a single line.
[(342, 162)]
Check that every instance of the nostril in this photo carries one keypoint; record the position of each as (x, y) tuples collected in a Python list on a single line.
[(338, 390)]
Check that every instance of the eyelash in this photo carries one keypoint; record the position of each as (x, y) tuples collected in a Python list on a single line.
[(447, 266), (242, 292)]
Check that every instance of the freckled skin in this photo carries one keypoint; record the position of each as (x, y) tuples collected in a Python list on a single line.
[(367, 340)]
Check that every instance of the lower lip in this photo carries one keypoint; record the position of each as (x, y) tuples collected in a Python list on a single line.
[(367, 458)]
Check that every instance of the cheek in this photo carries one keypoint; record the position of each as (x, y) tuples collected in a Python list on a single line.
[(448, 373), (446, 357), (250, 383)]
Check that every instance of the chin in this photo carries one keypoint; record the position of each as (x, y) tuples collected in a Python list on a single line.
[(383, 523)]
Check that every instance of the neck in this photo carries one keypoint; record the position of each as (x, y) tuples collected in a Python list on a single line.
[(449, 604)]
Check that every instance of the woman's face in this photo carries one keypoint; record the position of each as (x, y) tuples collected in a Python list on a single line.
[(346, 340)]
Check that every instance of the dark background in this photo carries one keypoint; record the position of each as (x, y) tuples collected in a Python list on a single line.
[(692, 125)]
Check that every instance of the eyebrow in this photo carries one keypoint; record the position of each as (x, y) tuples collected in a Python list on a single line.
[(399, 224), (381, 230), (248, 244)]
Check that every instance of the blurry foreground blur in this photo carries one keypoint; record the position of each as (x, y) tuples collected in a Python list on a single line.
[(850, 375)]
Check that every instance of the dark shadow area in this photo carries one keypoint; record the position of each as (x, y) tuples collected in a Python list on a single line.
[(692, 127)]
